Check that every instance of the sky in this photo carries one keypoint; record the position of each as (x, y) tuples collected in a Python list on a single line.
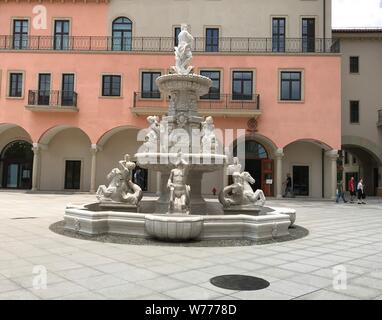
[(357, 13)]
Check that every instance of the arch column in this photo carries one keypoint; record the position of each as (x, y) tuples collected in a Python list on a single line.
[(159, 183), (36, 148), (94, 150), (333, 156), (279, 155), (379, 190)]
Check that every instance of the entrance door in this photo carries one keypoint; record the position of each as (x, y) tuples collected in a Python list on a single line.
[(267, 181), (301, 180), (17, 164), (73, 175)]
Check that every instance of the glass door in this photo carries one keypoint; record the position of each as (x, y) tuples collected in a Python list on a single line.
[(308, 34), (67, 90), (44, 89), (73, 175), (301, 180), (61, 35), (278, 35)]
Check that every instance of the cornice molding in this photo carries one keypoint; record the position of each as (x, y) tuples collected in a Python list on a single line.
[(56, 1)]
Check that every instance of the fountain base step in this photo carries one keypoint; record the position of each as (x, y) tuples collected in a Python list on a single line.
[(246, 210)]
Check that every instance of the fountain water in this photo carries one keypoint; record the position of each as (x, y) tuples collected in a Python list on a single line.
[(182, 146)]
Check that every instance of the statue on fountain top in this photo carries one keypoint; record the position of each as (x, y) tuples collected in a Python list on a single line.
[(183, 53)]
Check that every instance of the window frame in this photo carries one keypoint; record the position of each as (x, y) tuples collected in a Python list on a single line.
[(151, 97), (302, 86), (14, 20), (122, 47), (357, 102), (212, 46), (253, 72), (9, 84), (175, 33), (120, 87), (209, 95), (62, 36), (278, 35), (351, 65), (308, 44)]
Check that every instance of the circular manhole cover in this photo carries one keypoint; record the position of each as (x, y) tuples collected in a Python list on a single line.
[(240, 283)]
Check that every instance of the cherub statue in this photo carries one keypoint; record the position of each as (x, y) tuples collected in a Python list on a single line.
[(152, 138), (179, 190), (234, 167), (208, 136), (183, 54)]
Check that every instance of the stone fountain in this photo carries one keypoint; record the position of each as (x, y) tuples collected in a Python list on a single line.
[(182, 146)]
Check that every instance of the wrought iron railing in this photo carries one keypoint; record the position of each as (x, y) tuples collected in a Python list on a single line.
[(52, 98), (213, 102), (166, 44)]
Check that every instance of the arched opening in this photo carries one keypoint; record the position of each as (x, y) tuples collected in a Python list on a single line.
[(65, 159), (122, 34), (358, 162), (16, 164), (257, 162)]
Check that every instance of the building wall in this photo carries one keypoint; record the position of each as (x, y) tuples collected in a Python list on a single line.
[(255, 16), (281, 122), (364, 139)]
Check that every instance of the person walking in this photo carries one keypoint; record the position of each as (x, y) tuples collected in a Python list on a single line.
[(340, 192), (351, 187), (288, 186), (361, 192)]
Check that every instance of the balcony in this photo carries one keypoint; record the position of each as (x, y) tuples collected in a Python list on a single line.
[(379, 123), (166, 44), (52, 101), (220, 105)]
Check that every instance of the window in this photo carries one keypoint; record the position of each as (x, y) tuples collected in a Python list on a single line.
[(72, 175), (61, 35), (177, 30), (111, 86), (354, 111), (212, 40), (242, 87), (16, 85), (278, 35), (149, 86), (290, 86), (308, 34), (354, 64), (122, 34), (214, 93), (20, 34), (354, 160), (43, 89), (68, 96)]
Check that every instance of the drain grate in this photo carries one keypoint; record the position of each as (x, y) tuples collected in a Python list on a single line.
[(24, 218), (240, 283)]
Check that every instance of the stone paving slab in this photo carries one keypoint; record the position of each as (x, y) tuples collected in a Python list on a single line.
[(344, 236)]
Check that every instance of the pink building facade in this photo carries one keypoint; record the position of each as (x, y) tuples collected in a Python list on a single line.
[(75, 92)]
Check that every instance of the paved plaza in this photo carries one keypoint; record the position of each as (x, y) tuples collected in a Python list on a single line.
[(342, 237)]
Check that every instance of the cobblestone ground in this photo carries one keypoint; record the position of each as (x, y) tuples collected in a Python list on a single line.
[(342, 237)]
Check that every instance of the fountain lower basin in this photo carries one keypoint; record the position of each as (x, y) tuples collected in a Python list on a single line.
[(93, 220)]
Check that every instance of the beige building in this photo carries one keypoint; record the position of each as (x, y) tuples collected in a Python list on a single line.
[(362, 102), (239, 18)]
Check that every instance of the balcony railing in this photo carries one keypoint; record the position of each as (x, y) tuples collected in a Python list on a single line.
[(166, 44), (52, 99), (221, 102), (379, 118)]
